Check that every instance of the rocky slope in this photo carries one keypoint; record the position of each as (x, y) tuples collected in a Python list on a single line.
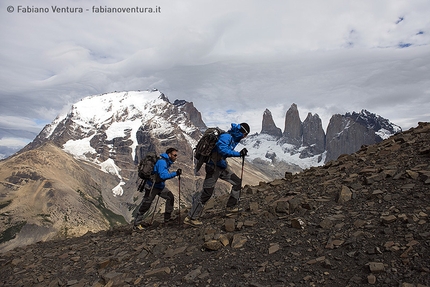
[(361, 220)]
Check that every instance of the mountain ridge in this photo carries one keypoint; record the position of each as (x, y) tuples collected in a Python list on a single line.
[(306, 144)]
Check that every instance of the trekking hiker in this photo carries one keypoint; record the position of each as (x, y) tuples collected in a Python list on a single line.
[(217, 167), (162, 173)]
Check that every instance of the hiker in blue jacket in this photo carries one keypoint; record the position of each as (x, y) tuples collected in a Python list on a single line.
[(161, 170), (217, 167)]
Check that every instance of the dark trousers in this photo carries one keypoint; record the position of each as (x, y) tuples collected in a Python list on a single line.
[(212, 175), (164, 193)]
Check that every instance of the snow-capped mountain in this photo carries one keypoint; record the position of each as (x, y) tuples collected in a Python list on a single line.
[(305, 144), (115, 130), (272, 150), (116, 114), (382, 127)]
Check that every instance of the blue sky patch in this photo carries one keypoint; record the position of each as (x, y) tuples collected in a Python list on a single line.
[(404, 45)]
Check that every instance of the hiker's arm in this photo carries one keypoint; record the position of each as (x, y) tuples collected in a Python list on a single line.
[(163, 172), (224, 148)]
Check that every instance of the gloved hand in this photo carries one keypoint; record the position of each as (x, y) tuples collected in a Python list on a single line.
[(179, 172), (243, 152)]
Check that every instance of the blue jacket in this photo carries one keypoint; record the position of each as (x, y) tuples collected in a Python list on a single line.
[(225, 146), (161, 168)]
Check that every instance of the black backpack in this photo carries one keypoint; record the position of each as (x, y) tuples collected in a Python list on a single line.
[(205, 146), (146, 172), (145, 169)]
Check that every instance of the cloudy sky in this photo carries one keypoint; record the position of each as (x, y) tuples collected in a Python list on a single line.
[(233, 58)]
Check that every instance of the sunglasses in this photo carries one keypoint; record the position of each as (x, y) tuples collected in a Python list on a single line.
[(174, 154)]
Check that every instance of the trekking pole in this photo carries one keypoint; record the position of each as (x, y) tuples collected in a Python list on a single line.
[(155, 209), (141, 185), (241, 180), (195, 183), (179, 201), (147, 192), (158, 197)]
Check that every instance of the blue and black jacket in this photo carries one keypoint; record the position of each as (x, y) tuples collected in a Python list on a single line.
[(161, 169), (225, 146)]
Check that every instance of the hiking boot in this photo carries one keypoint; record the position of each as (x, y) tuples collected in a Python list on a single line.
[(233, 209), (192, 222), (141, 226), (138, 227), (168, 217)]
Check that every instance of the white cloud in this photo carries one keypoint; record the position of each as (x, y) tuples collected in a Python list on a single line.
[(326, 56), (13, 142), (16, 122)]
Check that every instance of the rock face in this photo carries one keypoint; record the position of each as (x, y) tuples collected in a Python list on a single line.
[(313, 136), (383, 126), (191, 113), (360, 220), (268, 126), (293, 126), (345, 135)]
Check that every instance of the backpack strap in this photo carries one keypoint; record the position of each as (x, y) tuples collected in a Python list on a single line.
[(156, 176)]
